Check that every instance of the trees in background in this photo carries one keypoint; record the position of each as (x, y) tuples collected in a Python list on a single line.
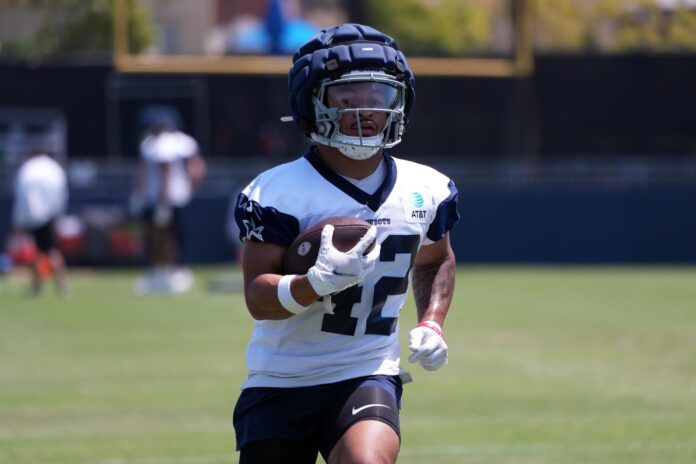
[(443, 27), (645, 25), (70, 27), (615, 26), (455, 27), (423, 27)]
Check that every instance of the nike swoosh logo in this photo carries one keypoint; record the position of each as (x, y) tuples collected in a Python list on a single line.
[(355, 411)]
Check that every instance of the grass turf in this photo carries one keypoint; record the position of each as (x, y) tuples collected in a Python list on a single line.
[(547, 365)]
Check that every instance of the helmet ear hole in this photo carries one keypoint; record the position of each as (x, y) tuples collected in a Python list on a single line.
[(325, 128)]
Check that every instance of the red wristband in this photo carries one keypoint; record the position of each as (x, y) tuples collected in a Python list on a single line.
[(432, 325)]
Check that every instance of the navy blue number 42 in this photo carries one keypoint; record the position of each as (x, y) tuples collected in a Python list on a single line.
[(341, 322)]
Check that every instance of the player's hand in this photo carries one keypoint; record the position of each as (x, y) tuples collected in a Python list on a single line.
[(427, 346), (335, 270)]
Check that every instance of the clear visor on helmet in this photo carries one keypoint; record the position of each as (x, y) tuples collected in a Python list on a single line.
[(364, 108), (351, 95)]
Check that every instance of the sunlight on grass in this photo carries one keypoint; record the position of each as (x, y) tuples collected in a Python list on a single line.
[(547, 365)]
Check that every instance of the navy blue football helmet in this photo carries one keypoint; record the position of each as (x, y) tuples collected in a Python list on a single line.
[(329, 71)]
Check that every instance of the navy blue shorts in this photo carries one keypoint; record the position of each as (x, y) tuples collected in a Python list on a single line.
[(319, 414), (175, 227), (43, 237)]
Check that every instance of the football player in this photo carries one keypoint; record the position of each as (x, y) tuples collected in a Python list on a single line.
[(327, 380), (40, 199), (171, 168)]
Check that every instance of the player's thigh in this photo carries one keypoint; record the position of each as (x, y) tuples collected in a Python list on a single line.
[(366, 442), (281, 422), (363, 423)]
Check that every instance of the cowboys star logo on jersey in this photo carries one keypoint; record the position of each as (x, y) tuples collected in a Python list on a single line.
[(414, 206), (252, 212), (252, 230)]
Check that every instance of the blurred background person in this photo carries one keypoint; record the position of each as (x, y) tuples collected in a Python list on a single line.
[(40, 198), (171, 168)]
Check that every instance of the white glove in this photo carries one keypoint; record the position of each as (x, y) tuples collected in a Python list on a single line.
[(427, 346), (334, 270)]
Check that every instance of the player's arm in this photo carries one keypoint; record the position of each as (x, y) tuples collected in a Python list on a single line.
[(196, 169), (163, 198), (262, 264), (433, 285), (270, 295), (433, 280)]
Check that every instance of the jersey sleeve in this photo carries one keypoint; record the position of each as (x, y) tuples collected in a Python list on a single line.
[(446, 214), (260, 221)]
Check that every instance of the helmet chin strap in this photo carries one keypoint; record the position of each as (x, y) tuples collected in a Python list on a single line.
[(358, 148)]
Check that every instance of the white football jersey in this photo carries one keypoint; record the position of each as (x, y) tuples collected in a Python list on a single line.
[(41, 192), (415, 206), (173, 148)]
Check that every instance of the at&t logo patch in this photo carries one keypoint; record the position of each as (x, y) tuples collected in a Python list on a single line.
[(417, 200), (415, 209)]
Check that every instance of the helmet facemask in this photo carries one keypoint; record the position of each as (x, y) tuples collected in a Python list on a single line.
[(367, 104)]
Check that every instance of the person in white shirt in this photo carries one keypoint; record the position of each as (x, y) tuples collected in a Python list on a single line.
[(40, 198), (171, 167)]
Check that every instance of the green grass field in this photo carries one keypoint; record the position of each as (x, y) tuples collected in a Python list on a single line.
[(547, 365)]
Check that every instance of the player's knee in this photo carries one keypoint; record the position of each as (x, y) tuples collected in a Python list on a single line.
[(364, 456), (382, 451)]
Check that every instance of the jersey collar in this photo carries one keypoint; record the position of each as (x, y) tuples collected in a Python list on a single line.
[(373, 201)]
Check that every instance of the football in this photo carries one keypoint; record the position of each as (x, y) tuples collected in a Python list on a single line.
[(303, 252)]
